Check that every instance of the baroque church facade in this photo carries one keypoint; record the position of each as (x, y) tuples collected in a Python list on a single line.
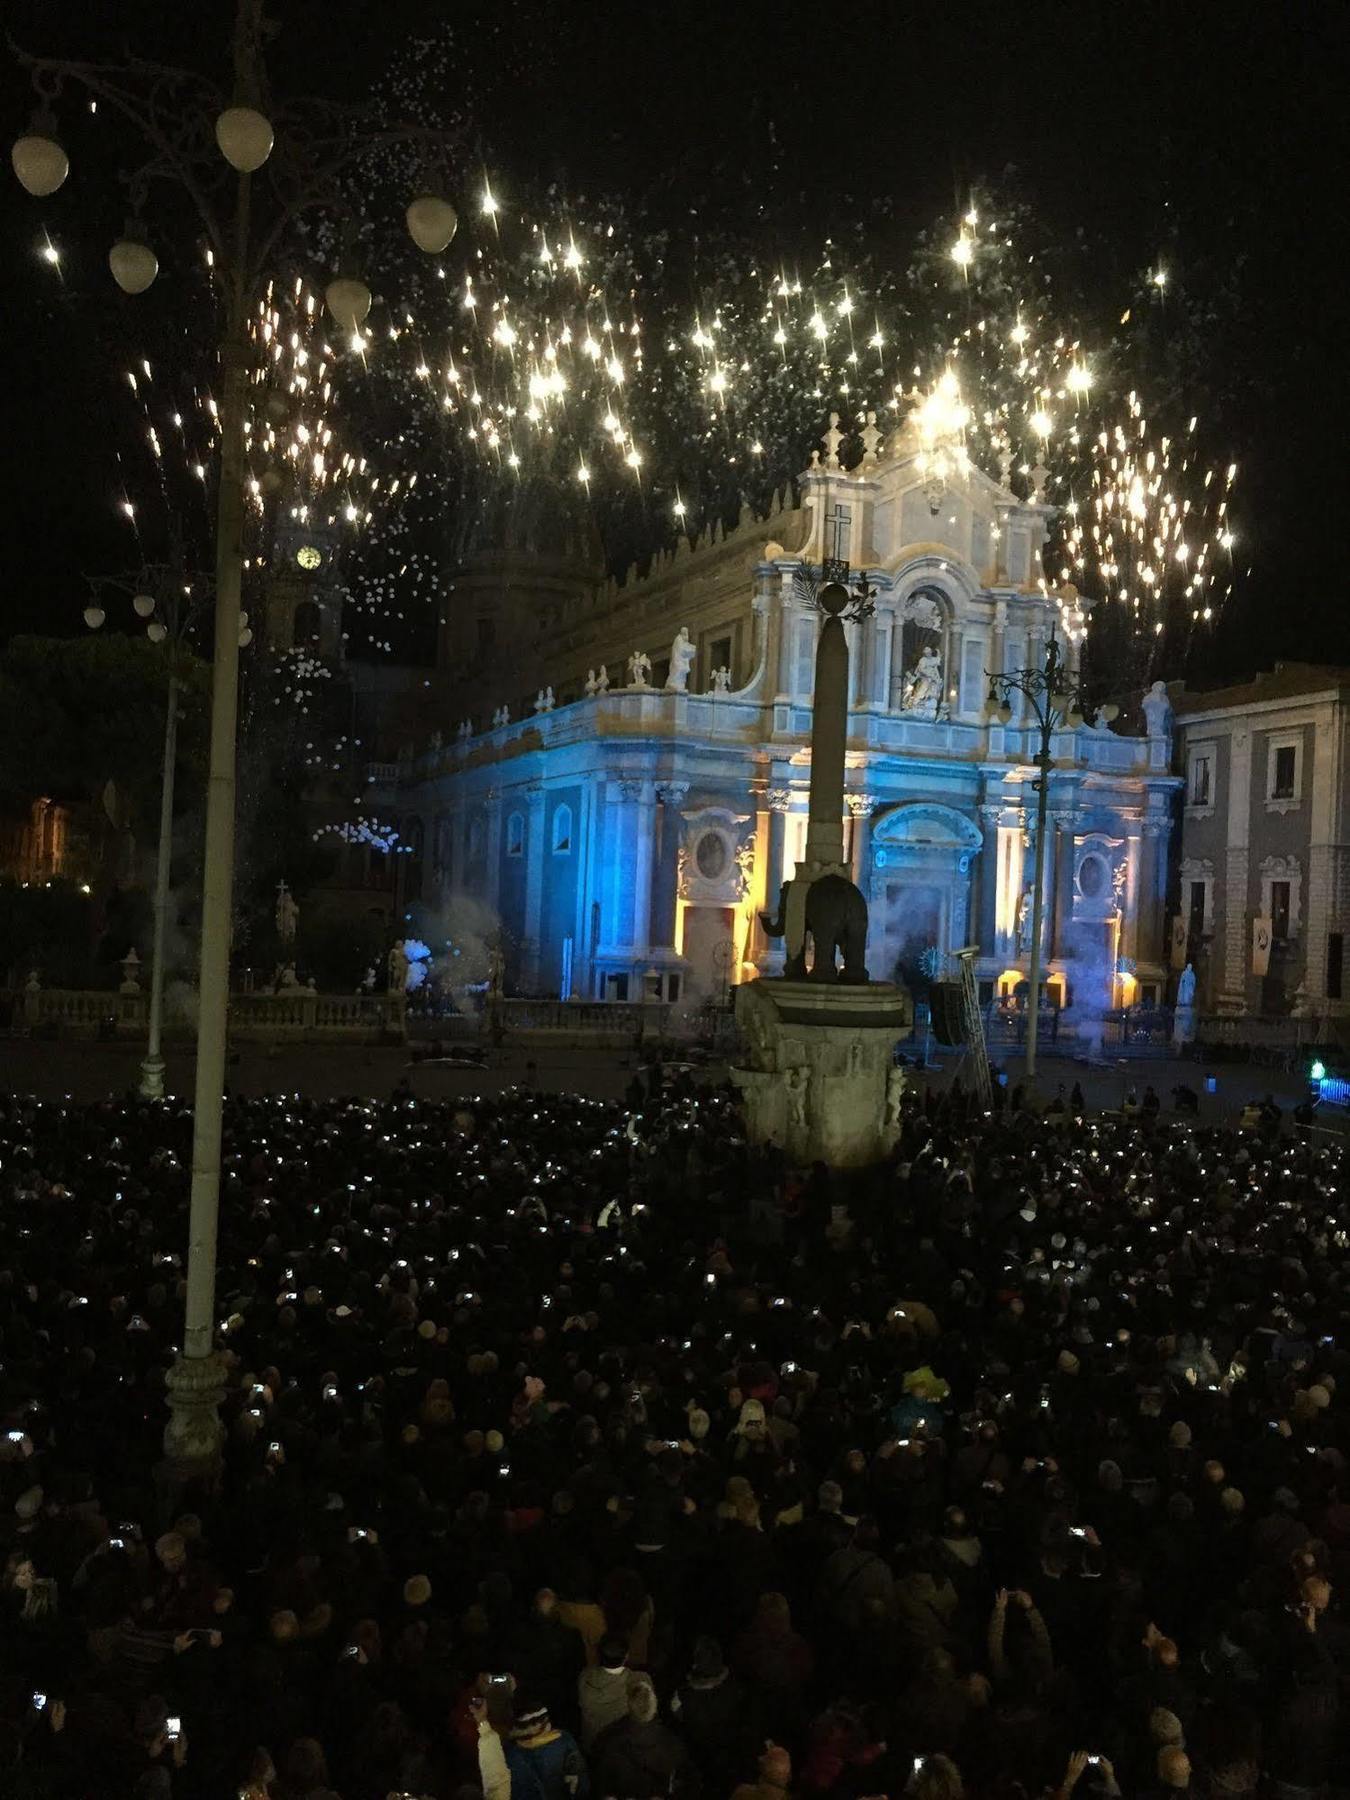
[(618, 784)]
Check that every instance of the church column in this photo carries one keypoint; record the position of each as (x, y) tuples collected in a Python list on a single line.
[(534, 886), (860, 837), (1063, 885), (987, 901), (494, 846), (998, 644), (1129, 898), (882, 639), (787, 633), (584, 939), (666, 874), (779, 802), (644, 831)]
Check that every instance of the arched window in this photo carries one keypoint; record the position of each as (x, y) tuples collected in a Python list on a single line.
[(306, 625), (922, 675), (562, 831), (515, 835)]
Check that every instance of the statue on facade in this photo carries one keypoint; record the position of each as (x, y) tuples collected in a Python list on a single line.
[(923, 684), (602, 680), (1157, 710), (543, 700), (895, 1091), (872, 440), (639, 668), (682, 654), (797, 1080), (590, 681), (287, 914), (465, 731), (1186, 987), (721, 681), (287, 981), (397, 969)]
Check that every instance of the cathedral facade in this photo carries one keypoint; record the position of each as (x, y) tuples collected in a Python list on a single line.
[(618, 784)]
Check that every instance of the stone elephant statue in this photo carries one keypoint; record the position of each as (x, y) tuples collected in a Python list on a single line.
[(836, 920)]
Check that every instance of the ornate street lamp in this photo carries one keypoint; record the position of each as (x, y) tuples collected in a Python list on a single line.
[(319, 142), (1052, 697), (167, 602)]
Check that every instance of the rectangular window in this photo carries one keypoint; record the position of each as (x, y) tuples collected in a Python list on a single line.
[(515, 835), (719, 654), (1279, 911), (1196, 910), (1285, 772), (1202, 778), (1335, 964)]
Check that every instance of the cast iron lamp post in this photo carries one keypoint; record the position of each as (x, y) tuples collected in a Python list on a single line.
[(1053, 699), (167, 603), (190, 126)]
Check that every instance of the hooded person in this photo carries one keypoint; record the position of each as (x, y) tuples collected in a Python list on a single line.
[(602, 1692), (714, 1710)]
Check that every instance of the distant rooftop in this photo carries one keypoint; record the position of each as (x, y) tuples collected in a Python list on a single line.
[(1285, 681)]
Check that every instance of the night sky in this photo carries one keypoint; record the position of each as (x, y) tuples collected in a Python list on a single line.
[(1223, 123)]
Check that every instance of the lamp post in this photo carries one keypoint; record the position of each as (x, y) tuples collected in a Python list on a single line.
[(172, 110), (1051, 694), (166, 602)]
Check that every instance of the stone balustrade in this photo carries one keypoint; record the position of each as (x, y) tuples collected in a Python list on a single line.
[(300, 1014)]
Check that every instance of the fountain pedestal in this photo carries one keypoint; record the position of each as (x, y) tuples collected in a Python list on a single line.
[(817, 1075)]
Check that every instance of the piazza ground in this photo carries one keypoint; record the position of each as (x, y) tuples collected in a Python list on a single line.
[(89, 1071)]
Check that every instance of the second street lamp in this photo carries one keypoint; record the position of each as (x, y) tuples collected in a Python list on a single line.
[(1051, 696), (168, 108)]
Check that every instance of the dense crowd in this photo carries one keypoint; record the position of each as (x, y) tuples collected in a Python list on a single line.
[(575, 1450)]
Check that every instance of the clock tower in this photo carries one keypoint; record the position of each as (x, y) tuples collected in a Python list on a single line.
[(303, 607)]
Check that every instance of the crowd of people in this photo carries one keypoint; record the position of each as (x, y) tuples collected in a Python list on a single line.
[(580, 1450)]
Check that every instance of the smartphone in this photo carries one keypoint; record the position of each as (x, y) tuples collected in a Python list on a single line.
[(500, 1682), (1093, 1758), (1078, 1531), (117, 1543), (173, 1726), (273, 1447), (39, 1701), (352, 1650)]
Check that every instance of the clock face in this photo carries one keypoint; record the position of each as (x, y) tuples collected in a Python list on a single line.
[(309, 556)]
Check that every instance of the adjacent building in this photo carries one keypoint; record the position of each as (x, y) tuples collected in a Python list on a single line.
[(617, 781), (1264, 856)]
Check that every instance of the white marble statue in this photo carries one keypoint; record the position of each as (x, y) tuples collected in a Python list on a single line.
[(872, 441), (639, 668), (923, 684), (397, 967), (1100, 722), (590, 681), (721, 681), (288, 982), (682, 654), (465, 731), (1157, 709), (1186, 987), (602, 680), (797, 1080), (549, 701), (287, 915), (895, 1093)]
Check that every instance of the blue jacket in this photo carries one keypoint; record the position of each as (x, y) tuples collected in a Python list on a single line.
[(548, 1766)]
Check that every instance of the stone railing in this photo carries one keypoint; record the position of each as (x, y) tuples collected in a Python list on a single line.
[(302, 1014), (604, 1023)]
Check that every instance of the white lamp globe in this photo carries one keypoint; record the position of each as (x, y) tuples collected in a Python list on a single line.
[(156, 632), (40, 163), (348, 300), (245, 138), (1004, 713), (94, 617), (134, 265), (143, 605), (246, 637), (431, 222)]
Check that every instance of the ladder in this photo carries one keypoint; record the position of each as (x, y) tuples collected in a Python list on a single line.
[(972, 1021)]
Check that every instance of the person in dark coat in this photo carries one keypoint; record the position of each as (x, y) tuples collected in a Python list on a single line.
[(715, 1711), (639, 1757)]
